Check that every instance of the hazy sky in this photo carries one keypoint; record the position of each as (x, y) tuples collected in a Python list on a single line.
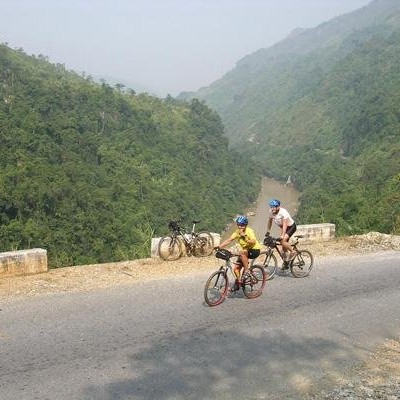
[(163, 46)]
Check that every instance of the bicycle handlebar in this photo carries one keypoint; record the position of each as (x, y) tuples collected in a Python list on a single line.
[(176, 225), (271, 241)]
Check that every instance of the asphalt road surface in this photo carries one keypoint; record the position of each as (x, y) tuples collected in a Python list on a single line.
[(158, 340)]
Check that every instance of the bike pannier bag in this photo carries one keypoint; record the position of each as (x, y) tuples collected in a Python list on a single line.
[(223, 254), (268, 241)]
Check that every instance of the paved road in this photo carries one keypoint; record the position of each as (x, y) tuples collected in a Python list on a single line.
[(159, 340)]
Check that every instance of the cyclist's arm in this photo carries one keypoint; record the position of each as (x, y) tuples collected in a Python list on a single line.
[(269, 225), (250, 239), (225, 242), (250, 242)]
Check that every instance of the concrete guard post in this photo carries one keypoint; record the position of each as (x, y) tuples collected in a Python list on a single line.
[(316, 232), (23, 262)]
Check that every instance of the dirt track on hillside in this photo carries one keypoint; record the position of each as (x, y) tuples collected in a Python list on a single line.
[(258, 213)]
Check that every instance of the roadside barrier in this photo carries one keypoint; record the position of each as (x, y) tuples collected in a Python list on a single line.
[(23, 262)]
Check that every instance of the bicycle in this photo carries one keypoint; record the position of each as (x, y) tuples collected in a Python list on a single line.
[(173, 246), (300, 266), (217, 286)]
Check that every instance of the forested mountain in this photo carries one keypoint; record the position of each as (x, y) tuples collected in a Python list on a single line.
[(323, 107), (91, 172)]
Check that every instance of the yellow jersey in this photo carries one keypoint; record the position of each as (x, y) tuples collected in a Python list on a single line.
[(249, 235)]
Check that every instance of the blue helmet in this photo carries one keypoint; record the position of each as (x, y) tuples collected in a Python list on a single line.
[(274, 203), (242, 220)]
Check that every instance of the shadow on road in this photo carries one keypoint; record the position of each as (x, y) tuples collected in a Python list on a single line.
[(224, 365)]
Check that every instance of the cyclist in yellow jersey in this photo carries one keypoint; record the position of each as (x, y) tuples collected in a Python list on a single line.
[(246, 238)]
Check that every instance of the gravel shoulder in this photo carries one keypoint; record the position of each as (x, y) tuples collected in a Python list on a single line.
[(377, 378), (98, 276)]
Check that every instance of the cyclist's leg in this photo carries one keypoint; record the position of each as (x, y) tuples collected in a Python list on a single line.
[(244, 258), (237, 270), (253, 279), (252, 254), (286, 246)]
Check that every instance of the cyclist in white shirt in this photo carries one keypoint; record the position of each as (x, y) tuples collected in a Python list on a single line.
[(285, 222)]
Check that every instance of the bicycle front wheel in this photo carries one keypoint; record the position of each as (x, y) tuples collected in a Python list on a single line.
[(170, 248), (302, 264), (254, 282), (216, 288), (203, 244), (268, 261)]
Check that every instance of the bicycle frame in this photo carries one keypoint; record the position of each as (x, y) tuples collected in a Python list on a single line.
[(277, 247), (300, 265), (228, 266), (181, 241), (182, 234), (219, 285)]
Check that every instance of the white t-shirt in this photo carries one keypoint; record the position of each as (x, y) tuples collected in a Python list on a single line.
[(282, 214)]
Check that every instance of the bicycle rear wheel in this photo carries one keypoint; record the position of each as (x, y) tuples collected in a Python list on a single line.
[(216, 288), (269, 262), (254, 282), (203, 244), (170, 248), (302, 264)]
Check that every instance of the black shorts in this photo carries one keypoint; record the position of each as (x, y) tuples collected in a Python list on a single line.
[(253, 253), (291, 229)]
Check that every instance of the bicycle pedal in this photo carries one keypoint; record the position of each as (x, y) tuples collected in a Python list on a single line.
[(235, 288)]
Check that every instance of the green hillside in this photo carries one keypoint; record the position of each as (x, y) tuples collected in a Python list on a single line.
[(322, 107), (91, 172)]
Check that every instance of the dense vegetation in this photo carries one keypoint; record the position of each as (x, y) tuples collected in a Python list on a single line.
[(323, 107), (91, 172)]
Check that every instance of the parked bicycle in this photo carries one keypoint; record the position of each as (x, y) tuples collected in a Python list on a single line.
[(218, 284), (174, 245), (300, 265)]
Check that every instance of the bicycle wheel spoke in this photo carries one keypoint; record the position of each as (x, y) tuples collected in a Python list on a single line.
[(170, 248), (268, 261), (254, 282), (216, 288), (270, 266), (302, 264), (203, 244)]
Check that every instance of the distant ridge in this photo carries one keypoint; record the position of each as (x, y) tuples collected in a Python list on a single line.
[(318, 105)]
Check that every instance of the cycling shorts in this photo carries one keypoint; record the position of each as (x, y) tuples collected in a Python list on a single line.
[(253, 253), (291, 229)]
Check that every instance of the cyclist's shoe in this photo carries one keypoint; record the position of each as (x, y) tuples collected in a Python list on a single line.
[(236, 286), (285, 265)]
